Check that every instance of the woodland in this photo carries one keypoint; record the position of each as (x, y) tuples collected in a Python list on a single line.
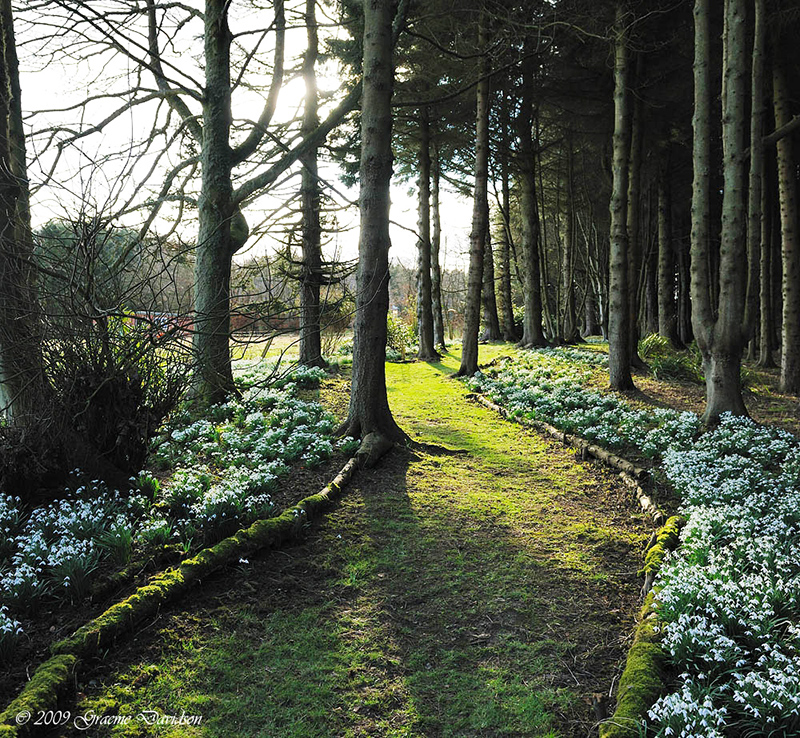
[(542, 483)]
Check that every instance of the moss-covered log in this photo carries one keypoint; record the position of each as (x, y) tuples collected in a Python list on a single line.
[(53, 676), (643, 680)]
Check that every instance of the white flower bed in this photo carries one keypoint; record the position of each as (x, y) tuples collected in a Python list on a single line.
[(225, 469), (729, 598), (546, 385)]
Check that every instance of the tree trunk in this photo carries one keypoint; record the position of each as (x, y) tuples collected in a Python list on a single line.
[(424, 301), (311, 270), (568, 332), (766, 327), (491, 321), (480, 213), (721, 341), (634, 235), (505, 304), (369, 417), (436, 269), (532, 333), (213, 379), (619, 353), (787, 183), (22, 381), (667, 312)]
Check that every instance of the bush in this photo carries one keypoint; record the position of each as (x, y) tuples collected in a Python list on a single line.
[(666, 362), (400, 337)]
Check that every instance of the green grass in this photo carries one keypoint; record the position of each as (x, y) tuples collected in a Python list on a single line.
[(485, 594)]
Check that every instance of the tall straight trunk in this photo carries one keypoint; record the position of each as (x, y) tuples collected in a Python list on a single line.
[(369, 416), (568, 320), (756, 175), (667, 309), (532, 333), (491, 320), (480, 212), (436, 269), (311, 270), (790, 248), (766, 329), (634, 235), (213, 379), (685, 334), (504, 302), (619, 353), (424, 303), (721, 341), (22, 381)]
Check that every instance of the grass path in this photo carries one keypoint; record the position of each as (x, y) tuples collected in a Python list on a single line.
[(486, 594)]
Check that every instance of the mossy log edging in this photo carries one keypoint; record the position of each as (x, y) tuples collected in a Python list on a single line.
[(53, 676), (629, 472), (643, 679)]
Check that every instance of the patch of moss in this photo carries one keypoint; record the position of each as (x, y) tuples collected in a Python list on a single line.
[(40, 693), (667, 539), (640, 686), (643, 680)]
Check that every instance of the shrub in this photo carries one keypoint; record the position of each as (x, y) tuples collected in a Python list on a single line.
[(666, 362)]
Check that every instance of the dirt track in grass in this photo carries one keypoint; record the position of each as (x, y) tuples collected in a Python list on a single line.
[(487, 593)]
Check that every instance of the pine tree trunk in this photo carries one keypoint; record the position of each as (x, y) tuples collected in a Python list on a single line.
[(619, 354), (491, 320), (667, 313), (23, 386), (369, 417), (311, 274), (424, 300), (787, 183), (213, 378), (436, 269), (480, 213), (721, 342), (532, 333), (766, 328), (504, 301), (634, 235), (568, 332)]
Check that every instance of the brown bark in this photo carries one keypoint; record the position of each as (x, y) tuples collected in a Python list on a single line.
[(22, 381), (790, 248), (436, 269), (426, 350), (667, 309), (721, 341), (532, 333), (619, 353), (634, 229), (504, 300), (369, 416), (491, 320), (480, 213), (311, 268)]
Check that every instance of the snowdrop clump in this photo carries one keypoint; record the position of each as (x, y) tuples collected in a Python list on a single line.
[(546, 386), (225, 468), (729, 598)]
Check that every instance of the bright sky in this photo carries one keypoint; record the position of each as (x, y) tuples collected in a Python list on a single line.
[(49, 86)]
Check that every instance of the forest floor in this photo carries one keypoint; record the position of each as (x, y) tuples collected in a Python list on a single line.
[(486, 593)]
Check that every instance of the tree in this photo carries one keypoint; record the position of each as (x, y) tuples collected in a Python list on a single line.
[(532, 334), (424, 292), (312, 271), (787, 184), (22, 380), (721, 333), (619, 351), (480, 211), (369, 415)]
